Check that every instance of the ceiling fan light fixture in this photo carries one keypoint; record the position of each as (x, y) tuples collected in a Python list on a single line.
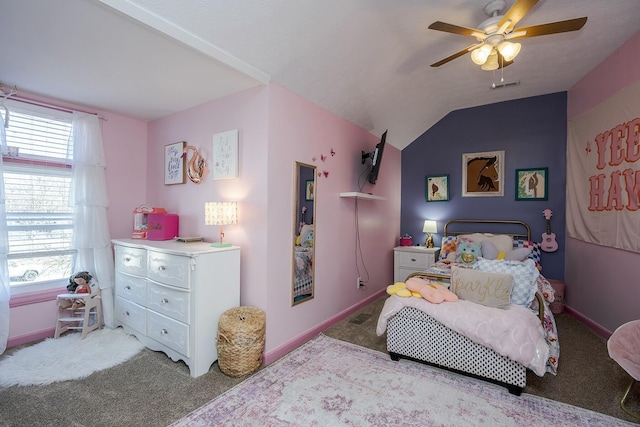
[(479, 56), (492, 62), (509, 50)]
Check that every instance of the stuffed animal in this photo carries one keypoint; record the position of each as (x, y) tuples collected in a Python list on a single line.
[(79, 283), (399, 289), (432, 292), (468, 251)]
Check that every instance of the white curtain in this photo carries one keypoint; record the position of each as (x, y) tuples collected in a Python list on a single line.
[(89, 200), (5, 291)]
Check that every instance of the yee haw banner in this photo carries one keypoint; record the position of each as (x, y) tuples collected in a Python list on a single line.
[(603, 172)]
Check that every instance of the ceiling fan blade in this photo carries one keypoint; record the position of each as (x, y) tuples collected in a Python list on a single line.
[(454, 56), (516, 12), (552, 28), (454, 29)]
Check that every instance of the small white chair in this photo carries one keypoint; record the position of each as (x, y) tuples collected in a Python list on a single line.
[(80, 318)]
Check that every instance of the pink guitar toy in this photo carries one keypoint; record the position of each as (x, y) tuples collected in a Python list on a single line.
[(549, 243)]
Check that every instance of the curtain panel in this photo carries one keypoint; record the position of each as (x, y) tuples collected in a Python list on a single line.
[(91, 237)]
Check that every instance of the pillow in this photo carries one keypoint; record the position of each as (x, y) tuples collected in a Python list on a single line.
[(535, 254), (448, 246), (518, 254), (305, 231), (468, 251), (525, 275), (503, 242), (490, 289)]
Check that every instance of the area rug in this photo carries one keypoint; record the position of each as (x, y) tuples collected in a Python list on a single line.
[(68, 357), (327, 382)]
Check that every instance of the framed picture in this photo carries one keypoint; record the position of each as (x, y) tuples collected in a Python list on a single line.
[(483, 174), (225, 155), (532, 184), (174, 163), (437, 189), (310, 191)]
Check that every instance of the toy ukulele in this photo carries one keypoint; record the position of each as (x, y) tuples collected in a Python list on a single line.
[(549, 243)]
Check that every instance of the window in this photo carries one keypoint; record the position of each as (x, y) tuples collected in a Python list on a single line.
[(37, 178)]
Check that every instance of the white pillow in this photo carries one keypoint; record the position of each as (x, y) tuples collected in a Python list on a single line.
[(502, 242), (304, 233)]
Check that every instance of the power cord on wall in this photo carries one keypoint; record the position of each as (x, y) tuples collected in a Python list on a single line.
[(358, 248)]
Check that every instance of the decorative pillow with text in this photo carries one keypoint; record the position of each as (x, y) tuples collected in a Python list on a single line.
[(490, 289)]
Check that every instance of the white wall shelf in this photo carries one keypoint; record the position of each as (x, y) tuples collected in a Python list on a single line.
[(363, 196)]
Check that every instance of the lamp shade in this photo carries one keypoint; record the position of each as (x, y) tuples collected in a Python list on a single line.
[(479, 56), (492, 62), (430, 226), (509, 50), (220, 213)]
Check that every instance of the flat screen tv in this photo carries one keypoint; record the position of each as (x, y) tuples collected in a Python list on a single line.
[(376, 158)]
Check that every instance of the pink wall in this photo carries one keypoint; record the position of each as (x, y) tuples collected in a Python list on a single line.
[(602, 282), (276, 128), (247, 112), (301, 131)]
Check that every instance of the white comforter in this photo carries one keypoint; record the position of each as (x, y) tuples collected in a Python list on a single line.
[(515, 332)]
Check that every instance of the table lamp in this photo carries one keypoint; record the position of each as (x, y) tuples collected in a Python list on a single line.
[(430, 227), (221, 213)]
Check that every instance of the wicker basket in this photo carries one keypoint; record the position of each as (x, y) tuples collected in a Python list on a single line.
[(241, 341)]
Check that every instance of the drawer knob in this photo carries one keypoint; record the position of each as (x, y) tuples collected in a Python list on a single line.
[(165, 301), (413, 260), (127, 259), (127, 288), (126, 313), (164, 332), (162, 268)]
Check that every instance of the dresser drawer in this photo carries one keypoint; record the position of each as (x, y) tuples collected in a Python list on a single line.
[(130, 314), (169, 332), (168, 269), (171, 302), (414, 260), (131, 260), (132, 288)]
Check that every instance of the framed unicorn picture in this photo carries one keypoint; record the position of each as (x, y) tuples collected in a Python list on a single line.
[(532, 184), (483, 174)]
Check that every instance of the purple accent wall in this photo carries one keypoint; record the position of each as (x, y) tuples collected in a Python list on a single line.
[(531, 131)]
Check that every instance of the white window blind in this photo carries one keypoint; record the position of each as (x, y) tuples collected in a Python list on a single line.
[(37, 178)]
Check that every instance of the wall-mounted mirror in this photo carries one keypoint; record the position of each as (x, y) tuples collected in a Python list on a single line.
[(304, 205)]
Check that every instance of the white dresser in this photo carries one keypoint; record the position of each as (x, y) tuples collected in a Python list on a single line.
[(170, 295), (411, 259)]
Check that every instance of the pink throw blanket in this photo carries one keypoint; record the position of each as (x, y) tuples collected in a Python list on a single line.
[(515, 332)]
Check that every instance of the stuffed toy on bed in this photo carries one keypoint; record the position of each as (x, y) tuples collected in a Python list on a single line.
[(468, 251), (432, 292)]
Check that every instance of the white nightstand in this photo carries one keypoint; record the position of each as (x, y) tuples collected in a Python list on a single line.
[(410, 259)]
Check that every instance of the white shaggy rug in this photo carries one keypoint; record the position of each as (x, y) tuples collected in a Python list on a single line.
[(68, 357)]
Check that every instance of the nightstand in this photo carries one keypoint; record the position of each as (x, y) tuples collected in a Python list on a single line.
[(411, 259)]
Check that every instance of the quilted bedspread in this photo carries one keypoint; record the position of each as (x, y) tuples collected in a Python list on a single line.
[(515, 332)]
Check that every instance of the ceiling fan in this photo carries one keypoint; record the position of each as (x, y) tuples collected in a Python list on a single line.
[(494, 49)]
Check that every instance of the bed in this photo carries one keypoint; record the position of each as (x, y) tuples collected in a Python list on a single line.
[(495, 344)]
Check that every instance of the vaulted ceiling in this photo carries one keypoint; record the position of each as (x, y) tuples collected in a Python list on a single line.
[(367, 61)]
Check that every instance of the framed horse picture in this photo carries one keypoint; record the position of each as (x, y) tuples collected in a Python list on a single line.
[(483, 174), (532, 184)]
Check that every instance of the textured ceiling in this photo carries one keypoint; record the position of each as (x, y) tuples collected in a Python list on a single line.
[(364, 60)]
